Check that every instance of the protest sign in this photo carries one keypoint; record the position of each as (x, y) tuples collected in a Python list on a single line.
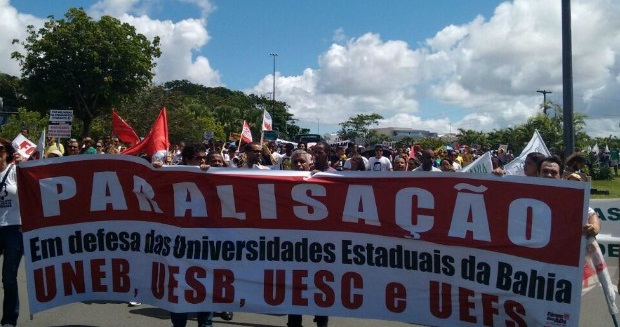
[(433, 249), (23, 146), (60, 123)]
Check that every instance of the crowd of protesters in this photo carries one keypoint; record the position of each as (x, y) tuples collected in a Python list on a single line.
[(314, 157)]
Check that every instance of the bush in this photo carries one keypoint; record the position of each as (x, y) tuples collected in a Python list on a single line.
[(597, 170)]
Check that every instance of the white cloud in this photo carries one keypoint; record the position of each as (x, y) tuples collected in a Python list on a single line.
[(13, 26), (365, 75), (490, 68), (179, 40), (487, 70)]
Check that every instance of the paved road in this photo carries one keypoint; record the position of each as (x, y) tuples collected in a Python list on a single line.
[(593, 313)]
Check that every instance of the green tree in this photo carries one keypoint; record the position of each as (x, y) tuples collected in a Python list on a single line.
[(188, 117), (405, 142), (10, 91), (31, 120), (85, 65), (473, 138), (356, 128), (430, 143)]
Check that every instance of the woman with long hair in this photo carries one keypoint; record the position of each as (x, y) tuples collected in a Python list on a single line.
[(11, 238)]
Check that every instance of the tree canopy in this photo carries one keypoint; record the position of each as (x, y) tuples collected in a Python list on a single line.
[(85, 65), (357, 128)]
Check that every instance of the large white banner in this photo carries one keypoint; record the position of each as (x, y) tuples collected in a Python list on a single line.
[(445, 249)]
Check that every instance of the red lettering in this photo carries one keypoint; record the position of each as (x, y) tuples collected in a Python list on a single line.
[(73, 278), (97, 275), (120, 276), (197, 293), (223, 289), (349, 281), (489, 310), (395, 297), (320, 281), (441, 299), (514, 310), (299, 286), (274, 286), (158, 276), (441, 306), (45, 277), (465, 305), (172, 283)]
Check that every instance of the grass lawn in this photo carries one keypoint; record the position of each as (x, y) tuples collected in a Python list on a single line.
[(613, 186)]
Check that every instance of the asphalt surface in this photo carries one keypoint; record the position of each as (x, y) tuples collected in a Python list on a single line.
[(112, 314)]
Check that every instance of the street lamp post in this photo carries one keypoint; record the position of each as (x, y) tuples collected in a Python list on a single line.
[(567, 80), (273, 93)]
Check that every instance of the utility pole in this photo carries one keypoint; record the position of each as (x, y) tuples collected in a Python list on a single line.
[(567, 80), (544, 93), (273, 94)]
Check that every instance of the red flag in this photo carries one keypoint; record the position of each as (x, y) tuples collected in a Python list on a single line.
[(156, 140), (122, 130), (246, 134)]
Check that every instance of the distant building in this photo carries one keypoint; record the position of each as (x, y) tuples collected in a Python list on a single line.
[(398, 133)]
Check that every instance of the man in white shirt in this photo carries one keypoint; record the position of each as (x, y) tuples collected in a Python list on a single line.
[(428, 156), (379, 162)]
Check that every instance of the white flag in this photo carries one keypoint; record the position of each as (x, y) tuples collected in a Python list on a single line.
[(482, 165), (536, 144), (39, 152), (266, 121)]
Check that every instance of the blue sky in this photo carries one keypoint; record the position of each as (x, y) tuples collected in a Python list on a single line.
[(435, 65)]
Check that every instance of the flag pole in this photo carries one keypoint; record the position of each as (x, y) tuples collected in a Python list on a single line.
[(262, 129)]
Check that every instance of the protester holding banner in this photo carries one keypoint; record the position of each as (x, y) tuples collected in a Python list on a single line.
[(192, 155), (215, 159), (300, 161), (428, 156), (400, 164), (320, 156), (413, 163), (73, 148), (379, 162), (446, 165), (253, 156), (348, 163), (11, 239), (553, 167), (532, 163)]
